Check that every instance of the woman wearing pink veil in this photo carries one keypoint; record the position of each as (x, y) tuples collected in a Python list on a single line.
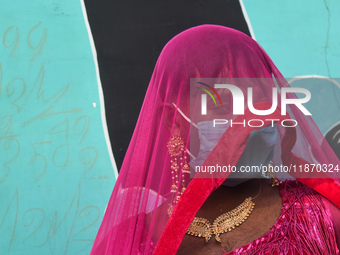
[(157, 208)]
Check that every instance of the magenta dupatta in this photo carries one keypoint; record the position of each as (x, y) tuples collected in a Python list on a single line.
[(136, 219)]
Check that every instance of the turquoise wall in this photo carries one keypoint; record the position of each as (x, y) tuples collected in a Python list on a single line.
[(56, 172), (303, 39)]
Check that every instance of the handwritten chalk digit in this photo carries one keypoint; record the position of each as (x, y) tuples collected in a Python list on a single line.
[(39, 46), (81, 126), (11, 38), (16, 86)]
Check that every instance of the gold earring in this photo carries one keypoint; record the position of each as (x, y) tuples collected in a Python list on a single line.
[(176, 148), (275, 181)]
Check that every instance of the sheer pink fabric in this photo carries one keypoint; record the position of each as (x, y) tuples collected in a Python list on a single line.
[(136, 218)]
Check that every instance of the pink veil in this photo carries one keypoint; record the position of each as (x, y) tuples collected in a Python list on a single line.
[(136, 219)]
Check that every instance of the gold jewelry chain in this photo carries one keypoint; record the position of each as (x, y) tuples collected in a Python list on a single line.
[(228, 221)]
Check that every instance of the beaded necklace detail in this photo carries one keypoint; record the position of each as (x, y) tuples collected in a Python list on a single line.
[(228, 221)]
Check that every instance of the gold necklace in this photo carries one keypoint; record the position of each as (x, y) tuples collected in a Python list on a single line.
[(228, 221)]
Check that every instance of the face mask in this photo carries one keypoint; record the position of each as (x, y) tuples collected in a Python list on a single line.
[(259, 149)]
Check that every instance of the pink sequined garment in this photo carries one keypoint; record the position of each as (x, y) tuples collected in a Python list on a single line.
[(304, 227)]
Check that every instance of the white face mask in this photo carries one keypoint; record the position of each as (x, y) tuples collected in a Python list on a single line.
[(259, 149)]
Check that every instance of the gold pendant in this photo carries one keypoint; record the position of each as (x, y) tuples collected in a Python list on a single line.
[(228, 221)]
